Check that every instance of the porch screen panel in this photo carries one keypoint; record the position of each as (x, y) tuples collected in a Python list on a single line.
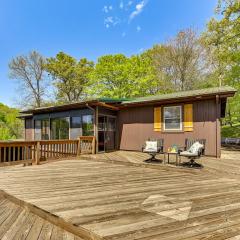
[(188, 117), (157, 119)]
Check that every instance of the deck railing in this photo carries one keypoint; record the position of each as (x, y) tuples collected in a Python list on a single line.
[(57, 149), (18, 152), (87, 144)]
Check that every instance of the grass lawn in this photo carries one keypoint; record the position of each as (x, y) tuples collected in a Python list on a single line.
[(234, 131)]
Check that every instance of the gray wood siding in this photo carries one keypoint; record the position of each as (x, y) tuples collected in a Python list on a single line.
[(29, 129)]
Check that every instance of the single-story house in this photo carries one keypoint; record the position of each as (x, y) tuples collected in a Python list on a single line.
[(126, 124)]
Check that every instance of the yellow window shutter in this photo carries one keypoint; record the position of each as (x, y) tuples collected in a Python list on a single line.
[(157, 119), (188, 117)]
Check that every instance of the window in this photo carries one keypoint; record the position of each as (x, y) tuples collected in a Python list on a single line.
[(76, 122), (87, 125), (173, 118), (101, 123), (37, 130), (41, 129), (76, 127), (45, 129), (111, 124), (59, 128)]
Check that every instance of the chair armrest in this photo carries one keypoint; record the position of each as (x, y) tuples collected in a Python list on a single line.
[(182, 148), (143, 146), (179, 151)]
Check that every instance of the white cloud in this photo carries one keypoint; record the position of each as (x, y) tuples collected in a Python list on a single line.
[(108, 20), (111, 21), (138, 9), (107, 9), (140, 6), (130, 3), (138, 28), (121, 5)]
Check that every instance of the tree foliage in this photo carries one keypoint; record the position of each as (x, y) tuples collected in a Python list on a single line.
[(223, 39), (180, 63), (70, 76), (10, 126), (122, 77), (29, 71)]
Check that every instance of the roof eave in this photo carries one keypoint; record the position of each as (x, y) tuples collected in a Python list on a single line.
[(64, 107), (180, 99)]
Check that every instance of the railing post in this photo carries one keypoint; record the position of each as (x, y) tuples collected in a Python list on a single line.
[(93, 145), (37, 155), (79, 147)]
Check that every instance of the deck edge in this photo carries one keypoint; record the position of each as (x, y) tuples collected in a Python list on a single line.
[(52, 218)]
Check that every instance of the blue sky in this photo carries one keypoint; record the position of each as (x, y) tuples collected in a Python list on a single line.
[(90, 28)]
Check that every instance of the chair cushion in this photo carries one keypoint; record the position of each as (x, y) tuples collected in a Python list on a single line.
[(195, 148), (188, 154), (151, 146), (149, 151)]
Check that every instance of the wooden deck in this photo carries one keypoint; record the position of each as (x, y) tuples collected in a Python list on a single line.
[(227, 166), (19, 223), (114, 196)]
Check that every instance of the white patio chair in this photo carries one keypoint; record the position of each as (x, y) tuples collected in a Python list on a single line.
[(193, 153), (153, 147)]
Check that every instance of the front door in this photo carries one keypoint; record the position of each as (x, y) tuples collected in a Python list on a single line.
[(106, 133)]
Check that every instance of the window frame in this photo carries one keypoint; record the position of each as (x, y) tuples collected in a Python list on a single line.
[(181, 119)]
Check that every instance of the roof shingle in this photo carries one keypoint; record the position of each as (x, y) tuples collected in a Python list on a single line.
[(183, 94)]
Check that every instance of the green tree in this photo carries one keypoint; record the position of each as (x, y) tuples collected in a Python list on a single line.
[(10, 126), (5, 132), (143, 74), (162, 68), (223, 39), (110, 77), (123, 77), (70, 76)]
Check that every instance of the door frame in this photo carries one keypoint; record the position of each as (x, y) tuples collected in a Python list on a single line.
[(106, 116)]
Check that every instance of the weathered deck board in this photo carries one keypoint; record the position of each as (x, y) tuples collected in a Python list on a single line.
[(18, 223), (126, 200)]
